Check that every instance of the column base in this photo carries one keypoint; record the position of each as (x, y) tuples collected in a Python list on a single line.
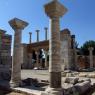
[(53, 91), (14, 84)]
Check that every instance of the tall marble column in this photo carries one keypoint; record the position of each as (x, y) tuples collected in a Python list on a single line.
[(30, 37), (17, 25), (55, 10), (91, 56), (37, 35), (46, 30)]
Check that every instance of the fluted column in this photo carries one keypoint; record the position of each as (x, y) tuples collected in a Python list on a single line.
[(30, 37), (55, 10), (17, 25), (37, 31), (91, 56), (46, 30)]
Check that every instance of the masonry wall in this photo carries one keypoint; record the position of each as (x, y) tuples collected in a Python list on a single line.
[(84, 62), (5, 48)]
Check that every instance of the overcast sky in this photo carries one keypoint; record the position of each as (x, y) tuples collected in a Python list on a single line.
[(80, 18)]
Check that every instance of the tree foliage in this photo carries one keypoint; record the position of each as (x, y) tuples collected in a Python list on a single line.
[(86, 45)]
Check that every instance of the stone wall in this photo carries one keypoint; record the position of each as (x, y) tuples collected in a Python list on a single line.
[(84, 62), (67, 50), (5, 47), (24, 57)]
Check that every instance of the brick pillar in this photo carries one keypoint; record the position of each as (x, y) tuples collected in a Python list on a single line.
[(91, 56), (55, 10), (30, 37), (46, 30), (37, 35), (17, 25)]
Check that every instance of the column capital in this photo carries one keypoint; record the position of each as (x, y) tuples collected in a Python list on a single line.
[(37, 30), (55, 9), (90, 48), (46, 28), (73, 36), (16, 23)]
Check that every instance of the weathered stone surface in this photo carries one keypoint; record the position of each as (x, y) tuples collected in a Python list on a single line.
[(84, 79), (92, 75), (18, 25), (5, 73), (54, 91), (83, 75), (46, 31), (91, 56), (30, 81), (69, 89), (71, 80), (55, 10), (82, 87)]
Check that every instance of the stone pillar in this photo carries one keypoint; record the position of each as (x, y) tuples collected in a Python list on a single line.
[(30, 36), (74, 52), (55, 10), (46, 30), (17, 25), (91, 56), (46, 63), (37, 35), (30, 61), (37, 59)]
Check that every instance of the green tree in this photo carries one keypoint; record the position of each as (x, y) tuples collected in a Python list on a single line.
[(86, 45)]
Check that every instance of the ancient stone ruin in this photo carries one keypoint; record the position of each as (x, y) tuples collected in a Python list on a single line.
[(57, 54)]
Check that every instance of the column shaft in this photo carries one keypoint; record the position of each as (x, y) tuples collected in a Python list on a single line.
[(46, 33), (17, 25), (30, 34), (37, 35), (37, 59), (16, 64), (91, 59), (55, 64), (46, 60)]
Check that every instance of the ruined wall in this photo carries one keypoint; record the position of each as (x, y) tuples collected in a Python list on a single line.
[(83, 62), (5, 48), (67, 50), (24, 57)]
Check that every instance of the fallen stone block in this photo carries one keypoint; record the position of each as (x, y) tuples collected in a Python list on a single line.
[(84, 79), (69, 75), (92, 75), (83, 75), (82, 87), (69, 89), (71, 80)]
